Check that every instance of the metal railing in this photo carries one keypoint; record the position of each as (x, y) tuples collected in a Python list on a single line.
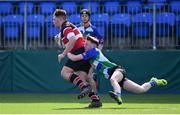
[(132, 25)]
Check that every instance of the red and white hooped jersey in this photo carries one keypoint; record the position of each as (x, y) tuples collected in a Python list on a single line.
[(69, 30)]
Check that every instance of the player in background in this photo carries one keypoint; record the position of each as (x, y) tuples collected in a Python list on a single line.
[(87, 28), (75, 72), (116, 74)]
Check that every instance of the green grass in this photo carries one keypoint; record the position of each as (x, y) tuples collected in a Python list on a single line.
[(69, 104)]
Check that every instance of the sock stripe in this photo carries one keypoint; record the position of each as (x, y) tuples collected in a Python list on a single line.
[(153, 83), (72, 77), (81, 85), (95, 98), (76, 80), (118, 94)]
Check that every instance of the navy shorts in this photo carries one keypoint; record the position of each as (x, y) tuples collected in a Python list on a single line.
[(121, 83), (81, 65)]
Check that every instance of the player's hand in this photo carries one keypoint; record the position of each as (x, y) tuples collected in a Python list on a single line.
[(57, 39), (69, 55), (61, 57)]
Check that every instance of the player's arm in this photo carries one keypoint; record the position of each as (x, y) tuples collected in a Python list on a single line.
[(69, 33), (68, 48), (75, 57), (57, 39), (92, 53), (69, 45)]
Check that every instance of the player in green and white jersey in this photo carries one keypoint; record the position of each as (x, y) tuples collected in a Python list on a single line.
[(116, 74)]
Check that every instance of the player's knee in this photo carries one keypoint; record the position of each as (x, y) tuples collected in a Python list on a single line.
[(64, 73), (88, 78), (112, 80)]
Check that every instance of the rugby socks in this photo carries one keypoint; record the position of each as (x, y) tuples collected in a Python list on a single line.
[(147, 86), (76, 80), (153, 83), (94, 97), (118, 94)]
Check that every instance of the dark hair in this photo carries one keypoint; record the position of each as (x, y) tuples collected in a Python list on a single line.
[(60, 12), (92, 39), (85, 11)]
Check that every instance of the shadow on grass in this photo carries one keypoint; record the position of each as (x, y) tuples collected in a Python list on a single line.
[(78, 108), (85, 108), (72, 98)]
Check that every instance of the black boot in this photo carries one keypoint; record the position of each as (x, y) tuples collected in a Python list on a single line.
[(84, 92), (95, 104)]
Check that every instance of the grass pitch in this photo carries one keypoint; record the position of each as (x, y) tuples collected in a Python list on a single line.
[(69, 104)]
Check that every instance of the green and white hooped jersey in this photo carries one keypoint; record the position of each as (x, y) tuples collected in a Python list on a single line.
[(101, 63)]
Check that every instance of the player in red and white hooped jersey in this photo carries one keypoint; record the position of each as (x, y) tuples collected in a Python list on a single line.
[(68, 31), (75, 72)]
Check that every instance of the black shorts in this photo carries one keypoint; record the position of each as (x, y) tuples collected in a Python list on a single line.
[(81, 65), (121, 83)]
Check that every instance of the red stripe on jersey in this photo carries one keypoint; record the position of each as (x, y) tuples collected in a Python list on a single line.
[(76, 31), (80, 43), (67, 30), (65, 40)]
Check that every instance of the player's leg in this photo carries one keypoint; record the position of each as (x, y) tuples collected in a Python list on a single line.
[(116, 77), (84, 67), (87, 78), (82, 75), (136, 88), (95, 78), (91, 81), (68, 74), (95, 100)]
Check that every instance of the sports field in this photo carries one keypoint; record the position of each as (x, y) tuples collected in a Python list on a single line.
[(69, 104)]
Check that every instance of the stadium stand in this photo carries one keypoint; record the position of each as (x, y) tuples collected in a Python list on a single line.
[(133, 7), (101, 22), (51, 31), (1, 39), (177, 27), (75, 18), (35, 26), (70, 7), (151, 7), (117, 19), (47, 8), (22, 7), (142, 25), (111, 7), (0, 20), (121, 25), (156, 1), (92, 6), (165, 23), (6, 8), (175, 6), (13, 26)]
